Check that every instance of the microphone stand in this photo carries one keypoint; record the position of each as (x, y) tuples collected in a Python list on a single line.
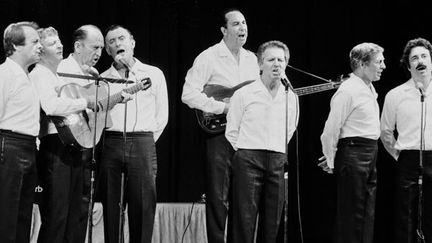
[(123, 167), (93, 160), (286, 84), (97, 78), (420, 235), (92, 166)]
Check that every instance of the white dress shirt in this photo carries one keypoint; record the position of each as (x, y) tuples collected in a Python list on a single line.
[(217, 65), (148, 111), (256, 120), (19, 101), (46, 83), (354, 112), (402, 112)]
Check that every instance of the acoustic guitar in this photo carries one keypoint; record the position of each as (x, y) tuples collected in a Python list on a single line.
[(79, 129), (216, 123)]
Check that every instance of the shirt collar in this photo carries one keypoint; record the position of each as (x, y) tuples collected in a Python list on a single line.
[(410, 85), (74, 62), (258, 86), (43, 67), (362, 84), (223, 51), (137, 67), (15, 67)]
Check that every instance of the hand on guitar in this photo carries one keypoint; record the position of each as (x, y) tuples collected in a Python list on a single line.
[(323, 164), (126, 97), (91, 105)]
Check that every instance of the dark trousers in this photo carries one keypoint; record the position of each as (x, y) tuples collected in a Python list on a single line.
[(356, 176), (17, 184), (140, 184), (258, 186), (61, 174), (218, 187), (406, 213)]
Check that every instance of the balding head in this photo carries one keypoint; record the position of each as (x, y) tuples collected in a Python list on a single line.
[(88, 45)]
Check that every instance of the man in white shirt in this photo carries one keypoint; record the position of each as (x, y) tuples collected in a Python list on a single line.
[(59, 165), (227, 64), (87, 45), (19, 126), (256, 122), (349, 144), (402, 112), (146, 116)]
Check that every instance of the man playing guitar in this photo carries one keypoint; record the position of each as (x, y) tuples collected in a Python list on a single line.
[(227, 64)]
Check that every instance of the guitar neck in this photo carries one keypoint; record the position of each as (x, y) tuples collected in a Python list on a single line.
[(117, 97), (219, 92), (316, 88)]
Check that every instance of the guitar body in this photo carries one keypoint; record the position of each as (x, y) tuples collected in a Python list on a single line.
[(211, 123), (215, 123), (77, 129), (81, 128)]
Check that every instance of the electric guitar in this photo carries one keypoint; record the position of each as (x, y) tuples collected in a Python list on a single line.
[(215, 123), (78, 129)]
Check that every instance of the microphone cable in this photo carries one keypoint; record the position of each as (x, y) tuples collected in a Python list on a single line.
[(202, 200), (189, 221), (298, 170), (298, 189)]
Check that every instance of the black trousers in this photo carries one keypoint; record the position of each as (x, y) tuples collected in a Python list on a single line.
[(17, 184), (258, 186), (61, 174), (218, 188), (140, 184), (356, 176), (406, 201)]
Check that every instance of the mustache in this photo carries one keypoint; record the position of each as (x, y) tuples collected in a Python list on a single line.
[(421, 66)]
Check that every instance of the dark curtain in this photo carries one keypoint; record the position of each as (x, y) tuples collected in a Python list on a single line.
[(171, 33)]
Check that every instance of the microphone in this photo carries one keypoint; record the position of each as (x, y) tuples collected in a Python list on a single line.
[(286, 83), (119, 59), (420, 87), (91, 71)]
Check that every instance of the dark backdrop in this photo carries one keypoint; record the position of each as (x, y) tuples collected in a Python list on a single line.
[(320, 34)]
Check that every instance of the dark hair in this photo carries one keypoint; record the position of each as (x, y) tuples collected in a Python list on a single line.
[(14, 35), (404, 61), (114, 27), (363, 53), (271, 44), (223, 19)]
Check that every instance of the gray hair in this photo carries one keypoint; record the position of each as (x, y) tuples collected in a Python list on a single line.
[(363, 53)]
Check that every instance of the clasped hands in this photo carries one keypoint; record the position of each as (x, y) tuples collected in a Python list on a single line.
[(324, 166)]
